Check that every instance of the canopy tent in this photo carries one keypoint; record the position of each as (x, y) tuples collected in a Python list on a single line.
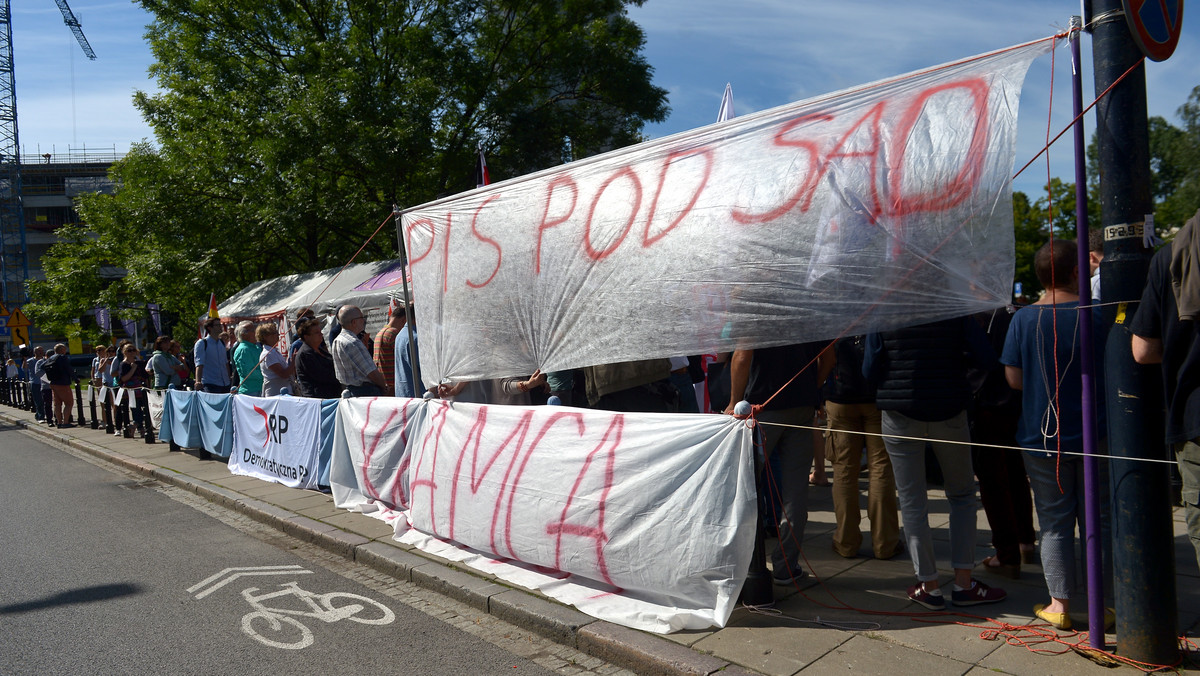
[(367, 285)]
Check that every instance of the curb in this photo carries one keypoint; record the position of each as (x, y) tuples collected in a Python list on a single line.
[(627, 648)]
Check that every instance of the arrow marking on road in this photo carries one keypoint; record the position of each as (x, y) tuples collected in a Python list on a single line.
[(242, 572)]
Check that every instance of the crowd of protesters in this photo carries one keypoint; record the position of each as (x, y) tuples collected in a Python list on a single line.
[(894, 401)]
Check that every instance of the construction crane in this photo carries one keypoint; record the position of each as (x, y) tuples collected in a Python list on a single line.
[(14, 260)]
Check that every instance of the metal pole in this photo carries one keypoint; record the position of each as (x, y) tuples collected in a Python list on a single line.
[(92, 406), (149, 426), (1143, 548), (1091, 479), (108, 411), (78, 402)]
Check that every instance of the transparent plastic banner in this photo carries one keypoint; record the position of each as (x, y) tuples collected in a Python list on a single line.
[(876, 207)]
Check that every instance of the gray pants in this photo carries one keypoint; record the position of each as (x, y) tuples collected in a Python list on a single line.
[(908, 464), (1059, 512), (1188, 454), (795, 450)]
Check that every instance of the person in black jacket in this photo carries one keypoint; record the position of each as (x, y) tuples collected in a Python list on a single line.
[(58, 370), (921, 378), (314, 365)]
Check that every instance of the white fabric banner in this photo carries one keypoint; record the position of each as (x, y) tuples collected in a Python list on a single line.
[(642, 519), (276, 439), (876, 207), (154, 401), (369, 468)]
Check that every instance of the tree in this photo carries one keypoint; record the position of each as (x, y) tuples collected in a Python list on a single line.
[(1032, 223), (287, 130), (1174, 166)]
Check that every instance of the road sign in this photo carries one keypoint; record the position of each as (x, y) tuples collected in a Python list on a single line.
[(20, 335), (1155, 25), (17, 318), (3, 310)]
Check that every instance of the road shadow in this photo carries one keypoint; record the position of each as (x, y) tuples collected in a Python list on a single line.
[(103, 592)]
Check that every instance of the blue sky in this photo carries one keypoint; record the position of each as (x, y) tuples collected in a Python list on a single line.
[(772, 51)]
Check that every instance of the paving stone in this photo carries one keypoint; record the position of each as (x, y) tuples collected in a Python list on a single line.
[(774, 645), (362, 524), (865, 655), (643, 653)]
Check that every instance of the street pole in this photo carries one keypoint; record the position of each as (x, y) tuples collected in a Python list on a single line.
[(1143, 552), (1092, 491), (418, 387)]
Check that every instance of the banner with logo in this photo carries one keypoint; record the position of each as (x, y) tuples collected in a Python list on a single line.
[(642, 519), (880, 206), (276, 439)]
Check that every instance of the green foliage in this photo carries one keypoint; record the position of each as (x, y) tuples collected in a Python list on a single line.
[(1174, 166), (1032, 223), (287, 130), (1178, 163)]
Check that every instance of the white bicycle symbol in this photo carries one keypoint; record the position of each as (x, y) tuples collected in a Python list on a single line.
[(280, 630)]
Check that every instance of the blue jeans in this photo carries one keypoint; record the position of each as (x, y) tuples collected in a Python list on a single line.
[(1188, 455), (1060, 511), (908, 464), (39, 411)]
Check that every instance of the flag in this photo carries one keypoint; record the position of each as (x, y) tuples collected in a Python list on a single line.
[(103, 319), (212, 307), (726, 110), (155, 317), (482, 177)]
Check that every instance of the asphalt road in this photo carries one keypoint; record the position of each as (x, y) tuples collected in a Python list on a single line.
[(104, 574)]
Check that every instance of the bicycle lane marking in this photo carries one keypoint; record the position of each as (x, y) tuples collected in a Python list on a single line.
[(277, 627)]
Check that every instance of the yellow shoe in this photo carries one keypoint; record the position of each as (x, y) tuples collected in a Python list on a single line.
[(1056, 620)]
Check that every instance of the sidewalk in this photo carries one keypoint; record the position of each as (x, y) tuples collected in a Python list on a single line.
[(809, 629)]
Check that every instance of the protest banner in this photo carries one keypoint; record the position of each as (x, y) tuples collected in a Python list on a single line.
[(276, 439), (880, 206), (642, 519)]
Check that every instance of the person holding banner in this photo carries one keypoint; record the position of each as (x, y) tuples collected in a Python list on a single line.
[(764, 377)]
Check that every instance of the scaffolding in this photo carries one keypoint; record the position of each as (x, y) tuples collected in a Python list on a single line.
[(14, 264)]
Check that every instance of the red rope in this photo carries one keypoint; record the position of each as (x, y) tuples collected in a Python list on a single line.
[(360, 250)]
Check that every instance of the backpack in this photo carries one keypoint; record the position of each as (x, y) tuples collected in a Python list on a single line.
[(58, 368)]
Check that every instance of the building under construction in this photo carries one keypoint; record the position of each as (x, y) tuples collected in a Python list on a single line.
[(49, 183)]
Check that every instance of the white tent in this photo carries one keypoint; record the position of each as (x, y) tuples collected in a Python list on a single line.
[(367, 285)]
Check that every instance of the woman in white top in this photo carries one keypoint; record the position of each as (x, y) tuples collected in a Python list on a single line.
[(277, 371)]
